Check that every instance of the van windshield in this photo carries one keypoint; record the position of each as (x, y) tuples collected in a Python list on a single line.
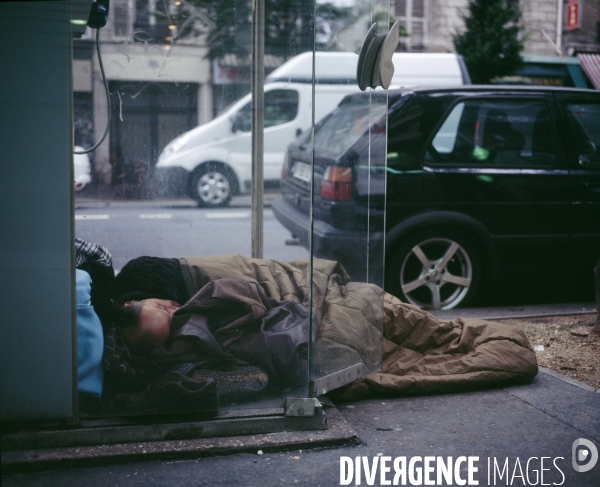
[(347, 123)]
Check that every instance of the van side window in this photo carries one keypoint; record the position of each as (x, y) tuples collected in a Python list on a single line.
[(281, 106), (497, 133), (584, 120)]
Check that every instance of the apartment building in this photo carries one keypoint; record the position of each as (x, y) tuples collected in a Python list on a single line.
[(551, 29)]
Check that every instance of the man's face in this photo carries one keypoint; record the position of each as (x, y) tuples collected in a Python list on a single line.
[(154, 327)]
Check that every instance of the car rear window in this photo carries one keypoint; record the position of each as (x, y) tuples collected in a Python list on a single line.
[(347, 123)]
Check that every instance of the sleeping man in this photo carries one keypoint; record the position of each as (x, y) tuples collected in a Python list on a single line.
[(227, 325), (145, 324), (241, 311)]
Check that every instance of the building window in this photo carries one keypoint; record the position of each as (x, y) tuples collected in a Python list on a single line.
[(143, 20), (123, 15), (411, 14)]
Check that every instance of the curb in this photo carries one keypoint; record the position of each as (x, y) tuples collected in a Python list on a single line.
[(564, 378), (338, 433), (508, 313)]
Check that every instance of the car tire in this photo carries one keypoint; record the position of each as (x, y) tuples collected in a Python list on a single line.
[(435, 269), (212, 186)]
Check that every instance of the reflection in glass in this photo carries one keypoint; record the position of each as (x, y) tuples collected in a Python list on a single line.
[(346, 194), (174, 180), (170, 181)]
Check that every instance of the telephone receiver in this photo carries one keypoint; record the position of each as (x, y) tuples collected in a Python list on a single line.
[(86, 13), (375, 67), (98, 14)]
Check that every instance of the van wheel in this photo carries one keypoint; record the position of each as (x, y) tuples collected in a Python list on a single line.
[(212, 186), (435, 270)]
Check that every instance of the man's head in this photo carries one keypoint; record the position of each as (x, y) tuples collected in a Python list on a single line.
[(145, 324)]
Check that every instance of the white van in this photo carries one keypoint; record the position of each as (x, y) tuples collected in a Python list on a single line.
[(213, 162), (428, 69)]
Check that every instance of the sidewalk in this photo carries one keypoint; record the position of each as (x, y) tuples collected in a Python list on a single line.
[(541, 419)]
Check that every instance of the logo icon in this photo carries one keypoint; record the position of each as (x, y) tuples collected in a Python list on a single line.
[(588, 454)]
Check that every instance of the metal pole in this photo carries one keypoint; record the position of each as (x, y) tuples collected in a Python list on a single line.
[(559, 27), (258, 118)]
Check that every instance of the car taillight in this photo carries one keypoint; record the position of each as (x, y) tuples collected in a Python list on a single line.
[(337, 183)]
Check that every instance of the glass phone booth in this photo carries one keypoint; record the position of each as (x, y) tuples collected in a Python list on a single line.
[(168, 195)]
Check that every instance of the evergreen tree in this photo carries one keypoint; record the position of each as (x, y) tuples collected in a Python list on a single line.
[(289, 26), (490, 45)]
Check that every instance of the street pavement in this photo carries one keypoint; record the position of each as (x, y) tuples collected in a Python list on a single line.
[(98, 200), (178, 228), (512, 436)]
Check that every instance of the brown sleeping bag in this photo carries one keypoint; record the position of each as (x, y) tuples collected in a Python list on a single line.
[(421, 354)]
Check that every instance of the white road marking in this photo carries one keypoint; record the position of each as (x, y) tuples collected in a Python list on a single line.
[(92, 217), (239, 214), (156, 216)]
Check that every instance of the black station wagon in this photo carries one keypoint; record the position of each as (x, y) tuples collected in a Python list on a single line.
[(477, 179)]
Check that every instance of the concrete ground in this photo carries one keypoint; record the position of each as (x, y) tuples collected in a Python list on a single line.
[(514, 429)]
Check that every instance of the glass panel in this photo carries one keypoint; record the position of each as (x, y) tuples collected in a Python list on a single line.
[(188, 322), (169, 198), (496, 133), (348, 197)]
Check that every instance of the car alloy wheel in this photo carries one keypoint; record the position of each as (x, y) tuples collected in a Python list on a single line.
[(212, 187), (435, 272)]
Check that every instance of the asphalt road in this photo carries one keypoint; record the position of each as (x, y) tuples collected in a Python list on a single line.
[(179, 229)]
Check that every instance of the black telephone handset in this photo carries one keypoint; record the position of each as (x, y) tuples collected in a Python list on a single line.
[(96, 20), (99, 14)]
